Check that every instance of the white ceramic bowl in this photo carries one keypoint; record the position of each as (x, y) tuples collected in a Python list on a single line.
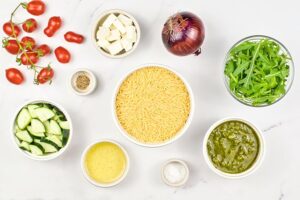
[(185, 179), (104, 184), (258, 160), (90, 88), (179, 134), (99, 22), (52, 155)]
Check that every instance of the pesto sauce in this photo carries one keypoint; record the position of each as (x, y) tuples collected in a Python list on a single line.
[(233, 147)]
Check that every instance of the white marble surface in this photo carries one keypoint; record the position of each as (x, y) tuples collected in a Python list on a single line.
[(225, 22)]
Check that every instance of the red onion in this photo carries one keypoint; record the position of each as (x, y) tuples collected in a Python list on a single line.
[(183, 34)]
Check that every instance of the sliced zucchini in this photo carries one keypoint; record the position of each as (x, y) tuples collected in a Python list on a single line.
[(65, 138), (54, 128), (16, 128), (37, 126), (36, 149), (23, 118), (44, 113), (31, 109), (54, 139), (25, 146), (47, 126), (64, 125), (24, 136), (36, 134), (48, 146)]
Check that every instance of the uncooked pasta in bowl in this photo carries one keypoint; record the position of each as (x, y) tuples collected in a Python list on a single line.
[(153, 106)]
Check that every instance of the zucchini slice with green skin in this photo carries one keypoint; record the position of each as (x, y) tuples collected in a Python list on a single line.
[(35, 134), (54, 139), (24, 136), (36, 149), (64, 125), (31, 109), (44, 113), (54, 128), (23, 119), (65, 138), (37, 126), (49, 147), (25, 146)]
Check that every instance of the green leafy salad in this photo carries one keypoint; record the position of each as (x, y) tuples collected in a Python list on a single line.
[(257, 71)]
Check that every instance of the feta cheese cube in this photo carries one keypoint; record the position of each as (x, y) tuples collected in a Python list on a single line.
[(119, 26), (103, 32), (109, 20), (114, 35), (126, 44), (126, 21), (131, 34), (115, 47), (103, 43)]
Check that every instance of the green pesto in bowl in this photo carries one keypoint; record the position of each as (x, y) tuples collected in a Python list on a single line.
[(233, 147)]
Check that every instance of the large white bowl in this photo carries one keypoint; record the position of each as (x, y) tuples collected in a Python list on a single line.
[(258, 160), (52, 155), (104, 184), (183, 129), (100, 21)]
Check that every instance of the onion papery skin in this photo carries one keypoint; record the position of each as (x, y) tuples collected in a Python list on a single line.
[(183, 34)]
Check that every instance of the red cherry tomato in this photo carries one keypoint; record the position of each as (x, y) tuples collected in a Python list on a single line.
[(35, 7), (28, 43), (11, 46), (43, 50), (29, 25), (54, 24), (62, 55), (29, 58), (14, 76), (45, 75), (11, 29), (74, 37)]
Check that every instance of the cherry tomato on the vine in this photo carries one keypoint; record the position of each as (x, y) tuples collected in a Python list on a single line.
[(43, 50), (35, 7), (62, 54), (11, 46), (14, 76), (11, 29), (29, 58), (28, 43), (29, 25), (45, 75)]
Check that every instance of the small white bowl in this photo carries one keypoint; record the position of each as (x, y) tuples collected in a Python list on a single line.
[(258, 160), (183, 129), (100, 21), (52, 155), (89, 89), (105, 185), (184, 180)]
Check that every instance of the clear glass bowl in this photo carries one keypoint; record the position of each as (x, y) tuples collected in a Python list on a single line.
[(289, 79)]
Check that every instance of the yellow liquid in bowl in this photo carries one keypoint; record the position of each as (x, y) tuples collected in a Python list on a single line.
[(105, 162)]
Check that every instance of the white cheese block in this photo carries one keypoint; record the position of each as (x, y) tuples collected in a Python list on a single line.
[(115, 47), (109, 20), (103, 43), (114, 35), (119, 26), (126, 21), (126, 44), (131, 34), (103, 32)]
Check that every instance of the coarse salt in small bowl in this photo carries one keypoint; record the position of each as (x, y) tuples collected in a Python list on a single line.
[(175, 172)]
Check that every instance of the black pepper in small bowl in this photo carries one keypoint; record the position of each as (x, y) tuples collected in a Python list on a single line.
[(83, 82)]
